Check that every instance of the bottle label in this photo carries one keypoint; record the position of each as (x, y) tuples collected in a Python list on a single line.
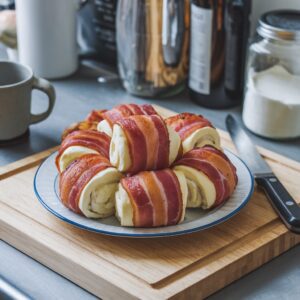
[(200, 55)]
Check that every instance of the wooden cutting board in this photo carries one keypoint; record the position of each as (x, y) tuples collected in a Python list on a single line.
[(184, 267)]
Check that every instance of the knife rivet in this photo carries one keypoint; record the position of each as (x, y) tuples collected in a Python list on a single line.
[(289, 203), (272, 179)]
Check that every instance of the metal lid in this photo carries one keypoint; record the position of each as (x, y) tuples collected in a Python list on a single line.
[(280, 25)]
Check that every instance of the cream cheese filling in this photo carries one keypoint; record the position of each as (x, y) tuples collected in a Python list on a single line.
[(201, 137), (72, 153), (119, 150), (184, 192), (97, 200), (175, 143), (201, 190), (124, 210), (105, 127)]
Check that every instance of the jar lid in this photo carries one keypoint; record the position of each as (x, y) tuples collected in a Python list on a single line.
[(280, 25)]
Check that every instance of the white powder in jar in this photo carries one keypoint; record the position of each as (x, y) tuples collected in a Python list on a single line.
[(272, 103)]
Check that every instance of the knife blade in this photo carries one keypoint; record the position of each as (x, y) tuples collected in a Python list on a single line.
[(279, 197)]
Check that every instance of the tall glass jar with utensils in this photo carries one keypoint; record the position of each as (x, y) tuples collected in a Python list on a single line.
[(153, 43)]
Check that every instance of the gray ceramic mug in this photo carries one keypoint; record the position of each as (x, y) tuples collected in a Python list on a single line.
[(16, 84)]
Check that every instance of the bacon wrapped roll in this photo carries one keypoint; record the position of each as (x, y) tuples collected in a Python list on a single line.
[(143, 143), (120, 112), (152, 199), (84, 125), (194, 131), (95, 116), (211, 177), (88, 186), (89, 123), (79, 143)]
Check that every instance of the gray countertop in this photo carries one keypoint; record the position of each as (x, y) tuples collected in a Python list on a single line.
[(76, 96)]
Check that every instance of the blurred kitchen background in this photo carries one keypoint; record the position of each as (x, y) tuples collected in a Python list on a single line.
[(216, 51)]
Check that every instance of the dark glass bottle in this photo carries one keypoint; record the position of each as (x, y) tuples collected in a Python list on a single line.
[(237, 28), (217, 52), (105, 29), (96, 32)]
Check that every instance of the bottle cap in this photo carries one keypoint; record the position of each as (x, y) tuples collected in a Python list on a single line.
[(280, 25)]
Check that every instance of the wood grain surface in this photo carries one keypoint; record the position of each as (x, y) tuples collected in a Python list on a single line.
[(185, 267)]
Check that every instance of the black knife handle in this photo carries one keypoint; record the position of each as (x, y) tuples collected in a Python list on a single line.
[(282, 201)]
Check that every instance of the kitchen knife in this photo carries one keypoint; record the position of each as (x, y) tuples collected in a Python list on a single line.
[(281, 200)]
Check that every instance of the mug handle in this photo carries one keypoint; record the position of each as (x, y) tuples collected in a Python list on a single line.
[(44, 86)]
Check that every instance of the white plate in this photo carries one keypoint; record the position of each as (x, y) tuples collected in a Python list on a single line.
[(46, 189)]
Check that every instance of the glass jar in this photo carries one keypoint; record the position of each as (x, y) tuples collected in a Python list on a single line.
[(272, 87), (152, 46)]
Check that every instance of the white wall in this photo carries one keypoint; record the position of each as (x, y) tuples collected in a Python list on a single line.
[(261, 6)]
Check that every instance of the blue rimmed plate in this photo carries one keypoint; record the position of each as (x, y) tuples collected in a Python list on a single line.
[(46, 189)]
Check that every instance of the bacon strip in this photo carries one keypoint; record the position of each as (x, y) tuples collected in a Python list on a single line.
[(216, 166), (77, 175), (151, 136), (89, 123), (84, 125), (212, 173), (126, 110), (148, 109), (137, 145), (163, 143), (95, 116), (170, 183), (186, 123), (148, 141), (220, 161), (154, 192), (218, 152), (140, 201), (97, 141), (155, 197)]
